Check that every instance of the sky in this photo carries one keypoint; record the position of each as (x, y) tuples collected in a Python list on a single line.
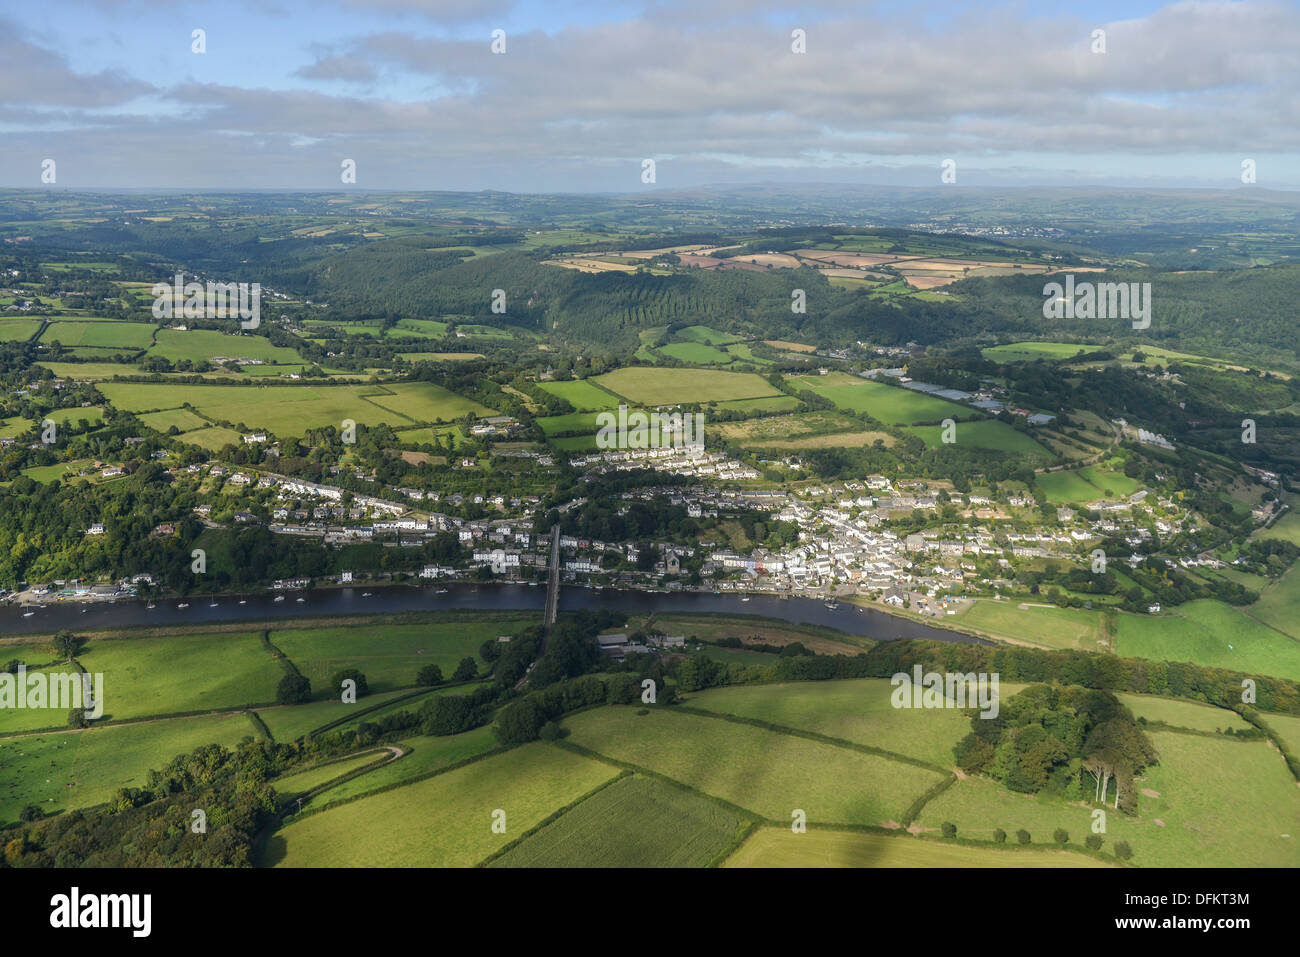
[(713, 91)]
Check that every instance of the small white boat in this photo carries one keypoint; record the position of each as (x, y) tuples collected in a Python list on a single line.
[(279, 598), (183, 604), (443, 591), (151, 605), (212, 605), (28, 614), (746, 598), (365, 594), (300, 599), (243, 601)]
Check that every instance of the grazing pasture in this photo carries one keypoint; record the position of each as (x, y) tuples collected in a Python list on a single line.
[(857, 710), (77, 769), (445, 820), (652, 387), (635, 822), (581, 394), (191, 672), (107, 333), (291, 409), (196, 344), (763, 771), (388, 655), (887, 404), (1208, 632)]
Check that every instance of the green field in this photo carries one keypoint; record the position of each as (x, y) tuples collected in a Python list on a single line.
[(652, 387), (1180, 713), (570, 422), (706, 334), (1287, 728), (423, 328), (765, 772), (819, 847), (151, 676), (1029, 351), (289, 410), (445, 820), (1208, 632), (59, 771), (1047, 626), (856, 710), (581, 394), (288, 722), (695, 353), (888, 404), (388, 655), (780, 403), (635, 822), (214, 438), (299, 782), (1067, 487), (425, 755), (196, 344), (89, 370), (18, 330), (182, 419), (1202, 817), (983, 434), (1279, 604), (67, 418), (123, 335)]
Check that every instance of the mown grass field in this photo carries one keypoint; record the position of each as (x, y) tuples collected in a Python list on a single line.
[(651, 387), (762, 771), (388, 655), (445, 820), (819, 847), (635, 822), (1221, 803), (77, 769), (88, 370), (150, 676), (581, 394), (102, 333), (290, 410), (1208, 632), (1046, 626), (887, 404), (857, 710)]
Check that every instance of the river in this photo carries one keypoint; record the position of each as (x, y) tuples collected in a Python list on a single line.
[(262, 606)]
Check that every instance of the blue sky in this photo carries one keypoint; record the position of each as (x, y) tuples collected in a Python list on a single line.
[(710, 89)]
